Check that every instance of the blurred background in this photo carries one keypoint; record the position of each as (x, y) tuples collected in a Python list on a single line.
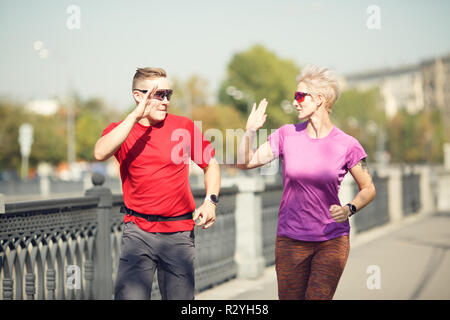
[(66, 69)]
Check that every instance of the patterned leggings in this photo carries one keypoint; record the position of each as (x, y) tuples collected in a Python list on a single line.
[(310, 270)]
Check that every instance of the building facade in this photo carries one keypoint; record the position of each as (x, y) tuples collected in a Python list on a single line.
[(425, 85)]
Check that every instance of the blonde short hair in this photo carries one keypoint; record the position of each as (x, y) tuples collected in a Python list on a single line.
[(320, 80), (147, 74)]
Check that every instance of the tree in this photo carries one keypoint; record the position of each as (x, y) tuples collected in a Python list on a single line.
[(50, 139), (12, 116), (256, 74), (416, 138), (92, 117), (361, 114), (189, 94)]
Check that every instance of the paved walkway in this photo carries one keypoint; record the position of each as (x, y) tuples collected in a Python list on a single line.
[(407, 261)]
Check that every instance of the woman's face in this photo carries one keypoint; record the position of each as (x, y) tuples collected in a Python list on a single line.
[(308, 106)]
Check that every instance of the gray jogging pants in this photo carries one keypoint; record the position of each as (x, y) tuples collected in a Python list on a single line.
[(172, 254)]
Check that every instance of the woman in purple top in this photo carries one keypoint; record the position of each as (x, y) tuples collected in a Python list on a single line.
[(312, 243)]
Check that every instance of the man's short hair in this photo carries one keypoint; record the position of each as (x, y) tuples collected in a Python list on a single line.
[(147, 74)]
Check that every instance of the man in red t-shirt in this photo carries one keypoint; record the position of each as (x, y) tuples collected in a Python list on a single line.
[(153, 149)]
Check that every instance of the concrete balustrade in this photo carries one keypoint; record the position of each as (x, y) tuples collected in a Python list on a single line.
[(249, 232)]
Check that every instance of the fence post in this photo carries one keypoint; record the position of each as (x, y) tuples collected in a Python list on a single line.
[(2, 203), (443, 190), (249, 238), (102, 282), (427, 204), (395, 191)]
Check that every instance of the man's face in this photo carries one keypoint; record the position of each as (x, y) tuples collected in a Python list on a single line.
[(158, 108)]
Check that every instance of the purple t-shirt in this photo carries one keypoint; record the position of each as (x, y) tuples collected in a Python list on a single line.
[(312, 173)]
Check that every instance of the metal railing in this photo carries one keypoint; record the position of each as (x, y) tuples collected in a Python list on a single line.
[(40, 240), (270, 205), (410, 193), (70, 248), (375, 213)]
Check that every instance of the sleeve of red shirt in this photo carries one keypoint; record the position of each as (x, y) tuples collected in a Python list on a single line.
[(107, 130), (202, 150)]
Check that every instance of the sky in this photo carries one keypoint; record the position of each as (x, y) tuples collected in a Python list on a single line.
[(200, 37)]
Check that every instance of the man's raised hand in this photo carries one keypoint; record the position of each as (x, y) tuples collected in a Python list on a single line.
[(142, 110)]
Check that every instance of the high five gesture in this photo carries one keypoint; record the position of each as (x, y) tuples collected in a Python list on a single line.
[(247, 157)]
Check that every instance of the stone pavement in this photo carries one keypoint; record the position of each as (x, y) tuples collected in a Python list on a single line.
[(407, 261)]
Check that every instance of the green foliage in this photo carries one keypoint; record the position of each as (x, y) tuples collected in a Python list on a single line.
[(416, 138), (258, 73), (50, 139), (188, 95), (361, 114), (92, 117), (50, 132), (252, 75), (12, 116)]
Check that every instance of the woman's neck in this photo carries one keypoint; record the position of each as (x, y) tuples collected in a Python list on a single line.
[(319, 125)]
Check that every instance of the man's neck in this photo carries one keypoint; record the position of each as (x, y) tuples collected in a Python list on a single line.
[(146, 122)]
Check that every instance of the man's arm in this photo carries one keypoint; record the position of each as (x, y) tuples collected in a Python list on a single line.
[(207, 211), (109, 143)]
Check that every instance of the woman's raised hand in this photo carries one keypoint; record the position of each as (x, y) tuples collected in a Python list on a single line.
[(257, 116)]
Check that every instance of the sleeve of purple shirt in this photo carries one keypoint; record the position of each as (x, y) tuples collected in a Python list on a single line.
[(276, 142), (355, 153)]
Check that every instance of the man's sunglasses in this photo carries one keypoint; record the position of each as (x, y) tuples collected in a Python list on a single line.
[(300, 96), (160, 94)]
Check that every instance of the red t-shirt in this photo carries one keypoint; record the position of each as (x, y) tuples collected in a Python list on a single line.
[(154, 168)]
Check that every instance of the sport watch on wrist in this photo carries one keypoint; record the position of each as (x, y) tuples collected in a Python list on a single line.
[(213, 198), (352, 209)]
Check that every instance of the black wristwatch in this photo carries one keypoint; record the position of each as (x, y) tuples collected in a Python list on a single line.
[(352, 209), (213, 198)]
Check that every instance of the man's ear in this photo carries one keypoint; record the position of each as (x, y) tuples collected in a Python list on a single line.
[(137, 96)]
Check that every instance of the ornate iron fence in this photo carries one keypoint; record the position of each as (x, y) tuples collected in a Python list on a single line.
[(271, 199), (410, 193), (39, 240), (375, 213), (70, 248)]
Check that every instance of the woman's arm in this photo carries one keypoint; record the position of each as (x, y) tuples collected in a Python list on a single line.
[(366, 193), (248, 158)]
